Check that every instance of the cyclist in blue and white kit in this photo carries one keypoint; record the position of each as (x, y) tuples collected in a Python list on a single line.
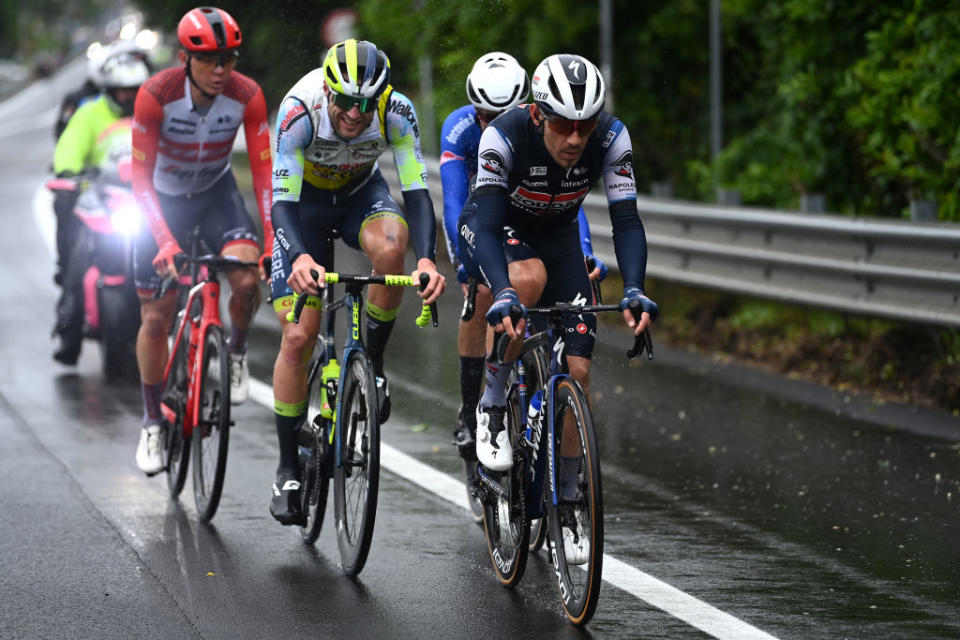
[(496, 83), (536, 164)]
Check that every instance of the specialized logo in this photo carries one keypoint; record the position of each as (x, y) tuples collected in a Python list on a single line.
[(576, 67), (492, 161), (624, 164)]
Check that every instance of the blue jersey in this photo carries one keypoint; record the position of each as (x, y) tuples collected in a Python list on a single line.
[(459, 143)]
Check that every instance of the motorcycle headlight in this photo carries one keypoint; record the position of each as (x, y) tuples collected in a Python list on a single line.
[(126, 220)]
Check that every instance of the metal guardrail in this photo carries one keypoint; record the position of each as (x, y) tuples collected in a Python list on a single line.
[(891, 269)]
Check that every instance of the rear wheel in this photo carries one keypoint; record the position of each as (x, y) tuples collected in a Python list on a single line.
[(176, 448), (504, 511), (576, 523), (211, 436), (315, 458), (357, 475)]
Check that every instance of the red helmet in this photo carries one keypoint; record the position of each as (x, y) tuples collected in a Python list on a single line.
[(208, 29)]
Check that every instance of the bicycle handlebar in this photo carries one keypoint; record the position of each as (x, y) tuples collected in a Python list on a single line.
[(428, 312), (210, 261), (641, 343)]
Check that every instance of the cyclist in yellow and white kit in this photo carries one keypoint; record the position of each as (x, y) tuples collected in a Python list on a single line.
[(331, 128)]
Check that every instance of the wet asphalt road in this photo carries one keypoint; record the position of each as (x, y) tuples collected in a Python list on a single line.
[(800, 512)]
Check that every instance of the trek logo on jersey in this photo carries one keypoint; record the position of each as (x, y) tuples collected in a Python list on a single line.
[(406, 110), (492, 162), (624, 164), (449, 156), (539, 202)]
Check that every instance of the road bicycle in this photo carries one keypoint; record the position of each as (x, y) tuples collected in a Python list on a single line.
[(196, 382), (340, 436), (549, 424)]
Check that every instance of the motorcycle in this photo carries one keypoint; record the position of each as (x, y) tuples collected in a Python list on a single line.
[(99, 299)]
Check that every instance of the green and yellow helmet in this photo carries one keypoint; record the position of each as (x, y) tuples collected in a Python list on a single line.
[(357, 68)]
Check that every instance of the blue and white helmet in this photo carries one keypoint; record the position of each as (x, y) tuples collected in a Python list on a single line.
[(568, 86), (497, 82)]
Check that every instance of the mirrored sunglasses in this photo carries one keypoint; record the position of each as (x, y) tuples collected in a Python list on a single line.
[(345, 102), (565, 127), (225, 59)]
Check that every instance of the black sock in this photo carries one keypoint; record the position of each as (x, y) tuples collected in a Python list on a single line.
[(287, 435), (471, 377), (378, 332)]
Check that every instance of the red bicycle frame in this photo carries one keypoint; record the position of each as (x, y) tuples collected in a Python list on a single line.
[(208, 293)]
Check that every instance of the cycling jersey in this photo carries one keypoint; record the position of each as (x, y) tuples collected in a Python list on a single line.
[(309, 149), (519, 185), (179, 150), (81, 145), (459, 141)]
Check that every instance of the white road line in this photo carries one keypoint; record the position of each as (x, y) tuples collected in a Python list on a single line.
[(641, 585)]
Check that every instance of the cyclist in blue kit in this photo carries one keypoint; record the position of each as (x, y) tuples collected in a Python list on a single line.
[(518, 231), (496, 83)]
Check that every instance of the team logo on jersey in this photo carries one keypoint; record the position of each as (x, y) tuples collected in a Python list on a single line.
[(538, 171), (624, 164), (538, 202), (492, 162), (581, 328), (513, 242)]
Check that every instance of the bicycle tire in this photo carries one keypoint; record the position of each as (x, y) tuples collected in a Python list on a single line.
[(578, 579), (505, 522), (211, 436), (315, 460), (357, 472), (176, 448)]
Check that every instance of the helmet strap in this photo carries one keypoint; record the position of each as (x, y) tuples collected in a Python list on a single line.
[(206, 95)]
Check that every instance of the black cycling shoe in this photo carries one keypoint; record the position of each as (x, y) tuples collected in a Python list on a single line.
[(464, 436), (285, 505), (383, 398)]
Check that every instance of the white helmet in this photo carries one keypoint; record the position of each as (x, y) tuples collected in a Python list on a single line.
[(497, 82), (568, 86), (123, 70)]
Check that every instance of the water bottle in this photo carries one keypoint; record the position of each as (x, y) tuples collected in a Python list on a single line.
[(534, 418)]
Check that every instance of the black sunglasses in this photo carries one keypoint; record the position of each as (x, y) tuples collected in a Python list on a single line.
[(345, 102)]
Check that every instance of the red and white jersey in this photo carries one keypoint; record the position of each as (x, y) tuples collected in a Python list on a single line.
[(178, 151)]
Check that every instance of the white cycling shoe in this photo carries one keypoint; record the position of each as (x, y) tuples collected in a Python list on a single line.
[(576, 545), (493, 443), (239, 378), (150, 450)]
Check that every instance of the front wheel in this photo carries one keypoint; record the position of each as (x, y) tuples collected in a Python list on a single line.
[(211, 436), (575, 511), (357, 473)]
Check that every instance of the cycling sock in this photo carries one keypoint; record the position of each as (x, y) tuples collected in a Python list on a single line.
[(151, 403), (379, 325), (289, 415), (238, 340), (471, 375), (495, 392), (568, 470)]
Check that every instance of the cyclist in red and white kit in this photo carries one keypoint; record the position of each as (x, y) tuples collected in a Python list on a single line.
[(185, 123)]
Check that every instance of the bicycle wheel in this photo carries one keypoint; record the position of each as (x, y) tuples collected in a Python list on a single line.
[(212, 433), (576, 525), (505, 522), (314, 460), (357, 474), (176, 448)]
